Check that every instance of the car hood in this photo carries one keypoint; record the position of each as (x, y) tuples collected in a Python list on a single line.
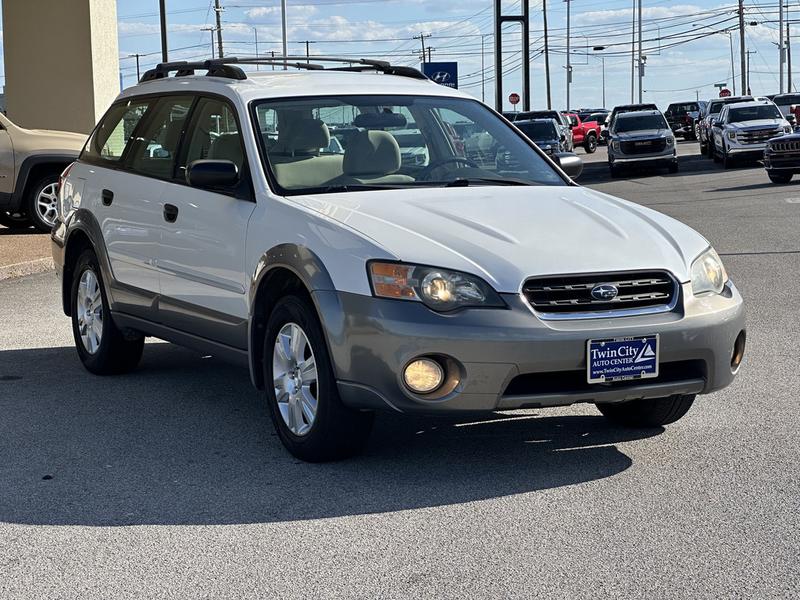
[(43, 141), (507, 234), (643, 134)]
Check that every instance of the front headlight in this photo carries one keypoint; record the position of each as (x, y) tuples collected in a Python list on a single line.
[(708, 274), (731, 135), (787, 129), (670, 140), (439, 289), (615, 145)]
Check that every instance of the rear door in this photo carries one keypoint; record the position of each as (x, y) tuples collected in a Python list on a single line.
[(201, 258), (6, 166)]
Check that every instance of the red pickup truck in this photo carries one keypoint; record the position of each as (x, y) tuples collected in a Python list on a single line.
[(584, 133)]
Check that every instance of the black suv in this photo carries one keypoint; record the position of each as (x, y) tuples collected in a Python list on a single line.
[(682, 118)]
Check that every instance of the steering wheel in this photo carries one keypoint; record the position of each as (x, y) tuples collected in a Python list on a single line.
[(425, 173)]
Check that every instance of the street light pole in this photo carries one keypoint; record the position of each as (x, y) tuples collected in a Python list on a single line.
[(641, 63), (782, 56), (546, 56), (569, 66), (163, 15), (483, 70), (255, 34), (742, 50), (633, 48), (603, 62), (284, 28)]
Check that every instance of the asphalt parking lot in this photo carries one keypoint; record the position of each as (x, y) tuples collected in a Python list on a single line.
[(170, 483)]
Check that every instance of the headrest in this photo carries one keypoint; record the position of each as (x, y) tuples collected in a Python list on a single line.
[(373, 153), (304, 135), (227, 146)]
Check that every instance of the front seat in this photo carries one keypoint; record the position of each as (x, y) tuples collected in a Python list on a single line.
[(372, 156)]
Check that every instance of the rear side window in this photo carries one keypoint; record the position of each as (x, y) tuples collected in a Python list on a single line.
[(215, 134), (154, 150), (111, 136)]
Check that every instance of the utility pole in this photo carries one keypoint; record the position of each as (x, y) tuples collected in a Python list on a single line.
[(138, 76), (748, 53), (308, 50), (255, 34), (212, 30), (284, 28), (163, 12), (603, 61), (788, 58), (782, 56), (733, 72), (743, 50), (569, 65), (430, 58), (641, 58), (218, 10), (546, 56), (633, 47), (421, 37), (483, 70)]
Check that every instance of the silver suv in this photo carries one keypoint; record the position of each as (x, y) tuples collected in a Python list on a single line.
[(742, 130), (209, 210), (641, 138)]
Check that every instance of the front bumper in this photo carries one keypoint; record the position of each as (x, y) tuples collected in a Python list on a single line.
[(627, 159), (754, 150), (782, 163), (512, 359)]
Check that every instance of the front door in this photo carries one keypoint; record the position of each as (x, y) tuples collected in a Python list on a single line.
[(202, 252)]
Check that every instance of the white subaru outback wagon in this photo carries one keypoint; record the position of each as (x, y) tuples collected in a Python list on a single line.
[(431, 260)]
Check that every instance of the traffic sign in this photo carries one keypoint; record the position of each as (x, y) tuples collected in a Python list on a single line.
[(513, 98), (724, 93)]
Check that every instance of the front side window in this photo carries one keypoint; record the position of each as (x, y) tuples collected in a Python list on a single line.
[(111, 136), (640, 123), (753, 113), (154, 150), (333, 143)]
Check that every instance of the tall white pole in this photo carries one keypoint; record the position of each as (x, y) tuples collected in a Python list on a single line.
[(641, 62), (283, 31), (633, 48)]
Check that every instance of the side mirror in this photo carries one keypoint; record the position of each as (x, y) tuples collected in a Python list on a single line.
[(570, 163), (212, 174)]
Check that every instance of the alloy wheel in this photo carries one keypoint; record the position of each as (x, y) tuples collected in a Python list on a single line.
[(47, 204), (90, 311), (294, 372)]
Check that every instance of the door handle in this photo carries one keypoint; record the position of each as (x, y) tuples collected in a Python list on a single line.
[(170, 213), (108, 197)]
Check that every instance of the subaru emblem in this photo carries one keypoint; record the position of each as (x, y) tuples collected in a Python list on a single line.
[(604, 291)]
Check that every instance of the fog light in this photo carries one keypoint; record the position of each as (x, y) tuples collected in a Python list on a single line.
[(423, 376), (738, 351)]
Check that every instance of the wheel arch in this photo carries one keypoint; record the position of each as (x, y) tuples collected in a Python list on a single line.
[(33, 169), (83, 233), (284, 269)]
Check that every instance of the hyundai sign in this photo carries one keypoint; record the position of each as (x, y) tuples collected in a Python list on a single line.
[(443, 73)]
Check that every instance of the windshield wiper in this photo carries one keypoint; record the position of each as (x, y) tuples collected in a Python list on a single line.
[(357, 187), (468, 181)]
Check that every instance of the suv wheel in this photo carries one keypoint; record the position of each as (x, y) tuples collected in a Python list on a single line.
[(303, 399), (673, 166), (727, 160), (590, 144), (15, 220), (647, 413), (42, 203), (102, 347)]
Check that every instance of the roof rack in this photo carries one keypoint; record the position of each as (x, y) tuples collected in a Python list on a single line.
[(226, 67)]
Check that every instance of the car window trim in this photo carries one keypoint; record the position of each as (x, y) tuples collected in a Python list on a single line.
[(100, 161), (155, 96), (275, 187)]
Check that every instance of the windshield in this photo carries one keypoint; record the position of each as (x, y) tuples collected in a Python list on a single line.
[(543, 130), (639, 123), (393, 142), (754, 113), (682, 108), (787, 100)]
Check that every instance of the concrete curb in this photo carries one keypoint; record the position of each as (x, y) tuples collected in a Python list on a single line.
[(30, 267)]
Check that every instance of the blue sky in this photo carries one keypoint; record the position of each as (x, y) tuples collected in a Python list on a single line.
[(680, 66)]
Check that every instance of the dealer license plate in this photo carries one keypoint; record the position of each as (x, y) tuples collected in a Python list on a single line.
[(622, 359)]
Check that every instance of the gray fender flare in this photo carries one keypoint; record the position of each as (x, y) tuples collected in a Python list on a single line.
[(310, 270), (85, 222)]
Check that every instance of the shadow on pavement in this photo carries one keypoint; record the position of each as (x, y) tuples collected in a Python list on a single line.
[(186, 440), (19, 231)]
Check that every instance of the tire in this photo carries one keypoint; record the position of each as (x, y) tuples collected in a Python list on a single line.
[(590, 144), (112, 352), (42, 202), (14, 220), (311, 421), (714, 154), (780, 177), (727, 161), (673, 167), (615, 171), (655, 412)]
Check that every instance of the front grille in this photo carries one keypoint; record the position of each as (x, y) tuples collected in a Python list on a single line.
[(561, 296), (792, 146), (643, 146), (758, 136)]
